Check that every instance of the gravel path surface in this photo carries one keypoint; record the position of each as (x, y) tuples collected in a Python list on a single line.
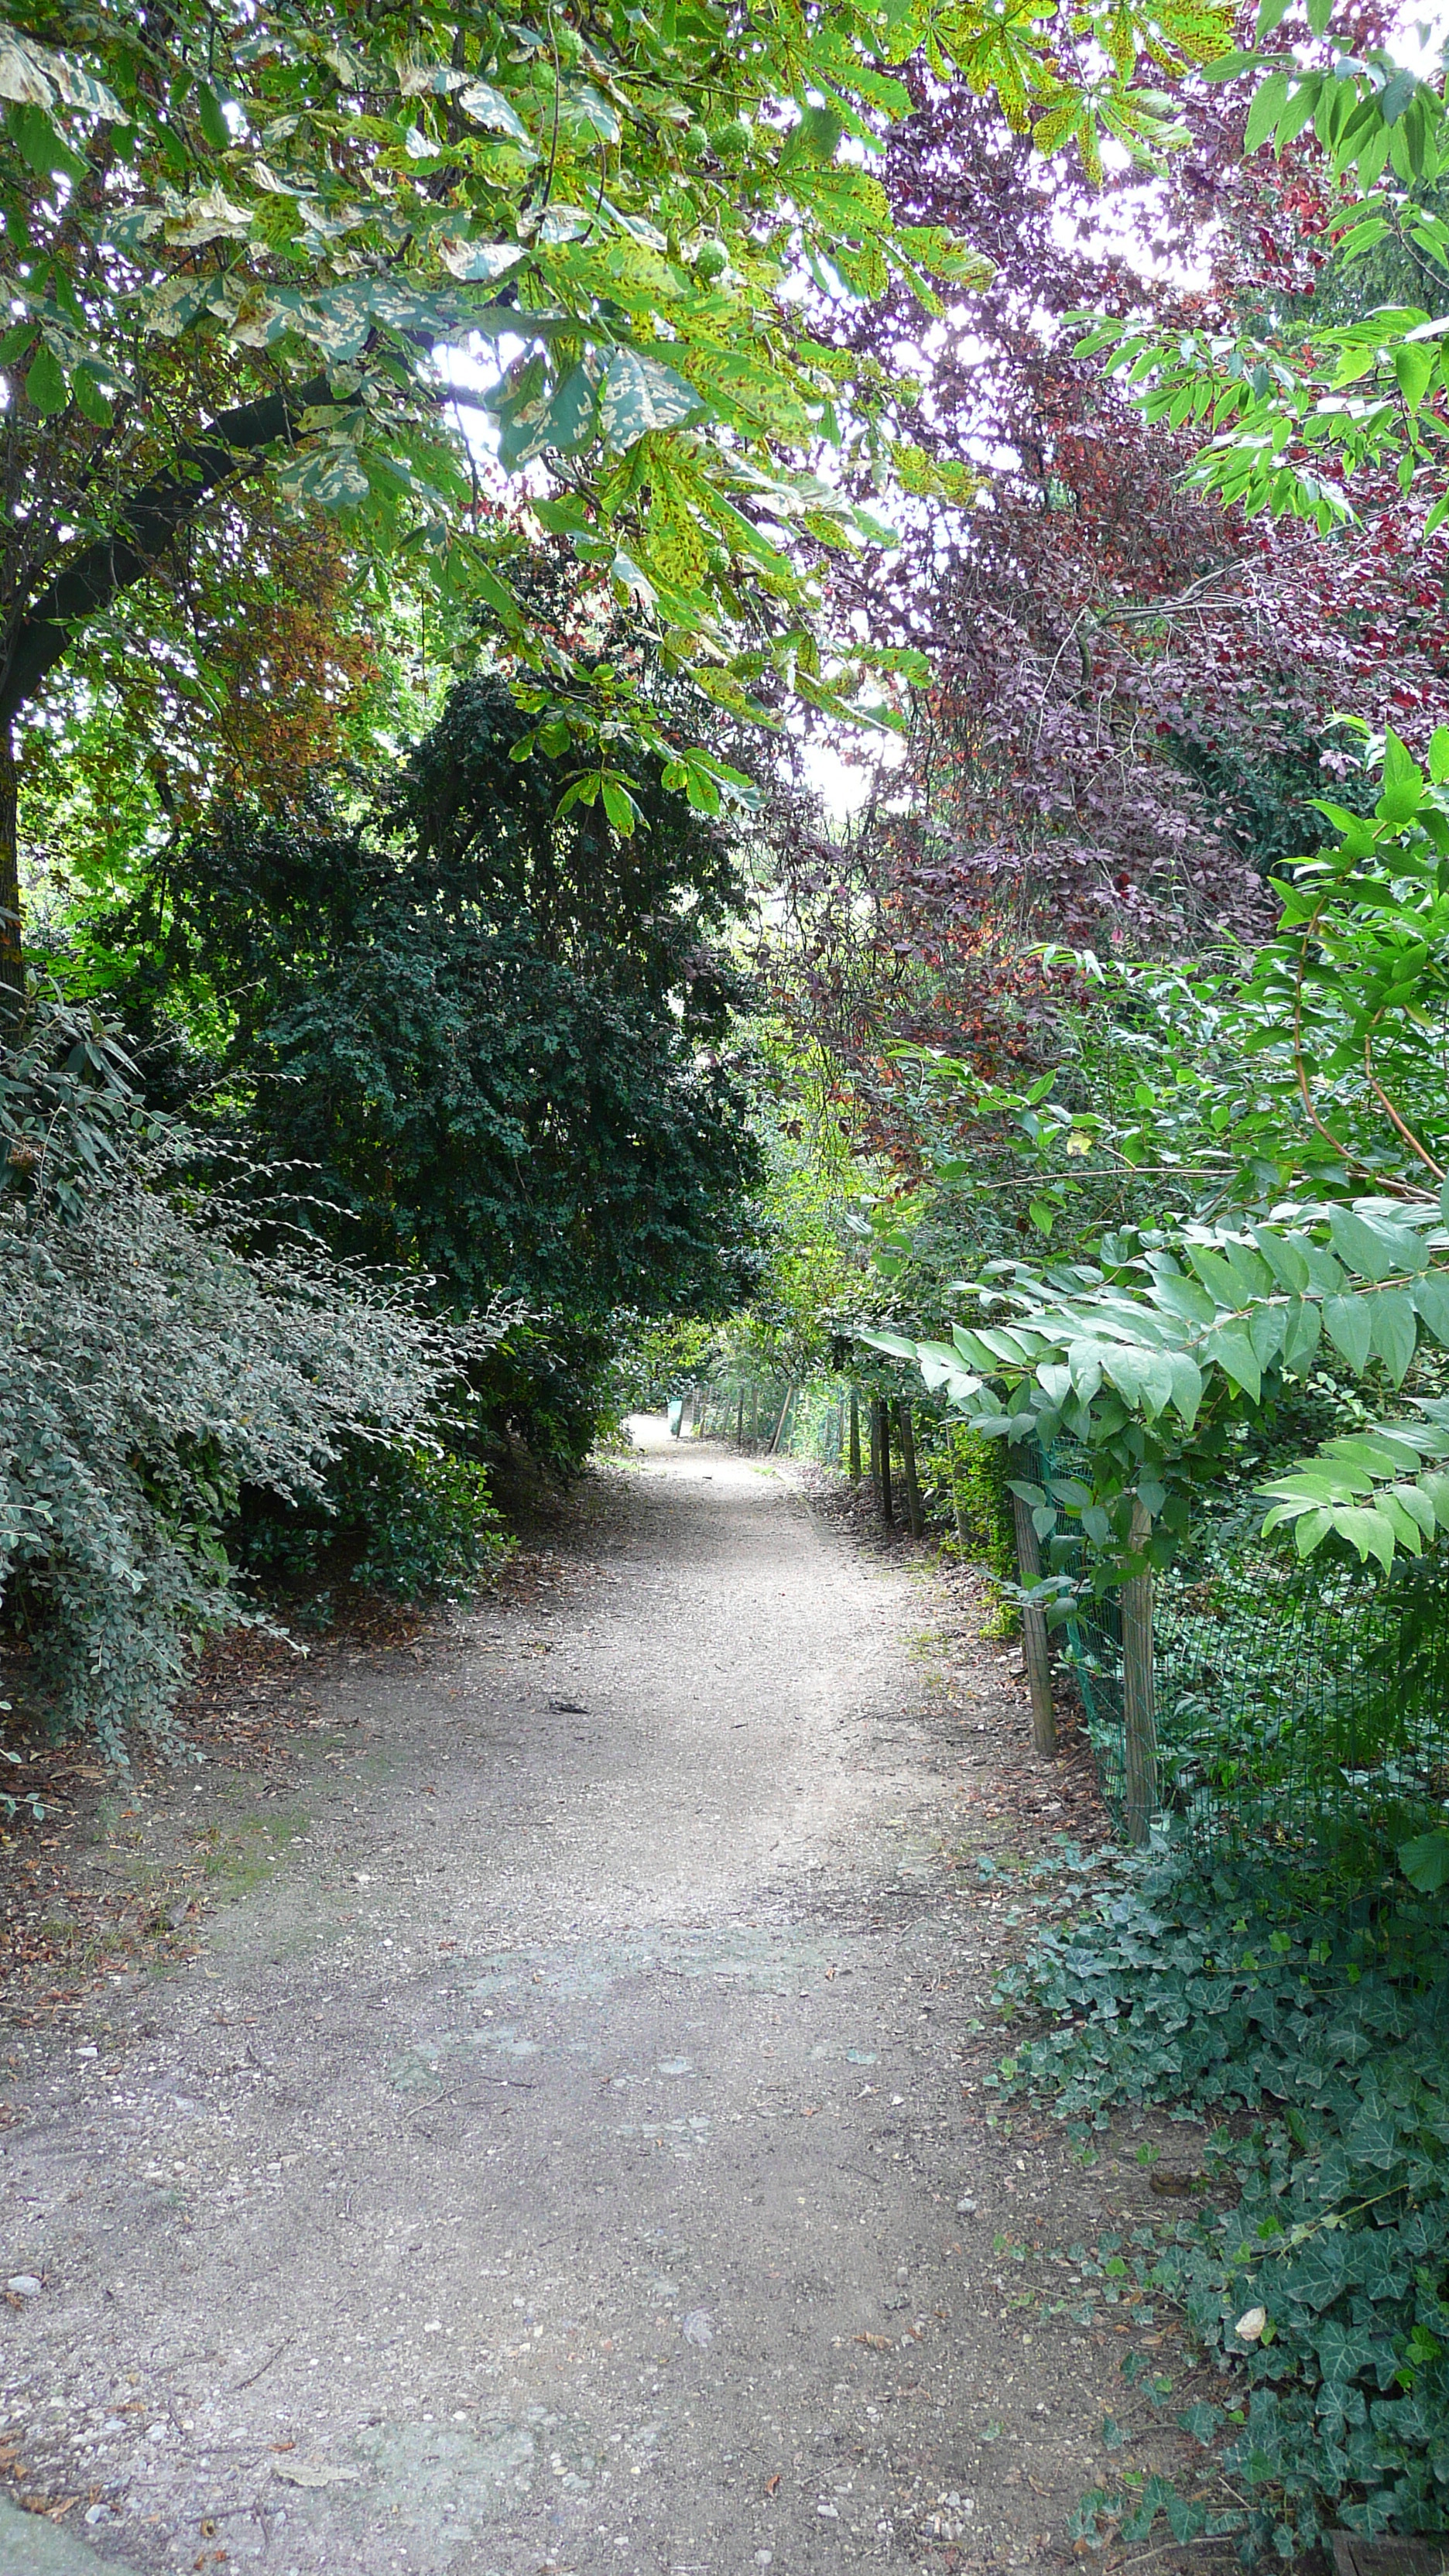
[(562, 2160)]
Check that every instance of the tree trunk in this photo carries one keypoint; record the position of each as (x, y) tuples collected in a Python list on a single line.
[(12, 953), (957, 1506), (906, 1427), (1034, 1631), (855, 1433), (740, 1422), (880, 1415), (1139, 1692), (148, 525)]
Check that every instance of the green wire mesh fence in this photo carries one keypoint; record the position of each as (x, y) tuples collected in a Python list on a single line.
[(785, 1420), (1293, 1715), (1301, 1713)]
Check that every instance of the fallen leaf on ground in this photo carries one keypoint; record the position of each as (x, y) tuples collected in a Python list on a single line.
[(877, 2343)]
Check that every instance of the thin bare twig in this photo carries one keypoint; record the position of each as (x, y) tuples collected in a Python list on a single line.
[(264, 2367)]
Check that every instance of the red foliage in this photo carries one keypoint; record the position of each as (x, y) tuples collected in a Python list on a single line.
[(1134, 692)]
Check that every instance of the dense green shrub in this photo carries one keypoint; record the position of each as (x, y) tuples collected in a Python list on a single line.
[(433, 1527), (154, 1364), (1322, 2288), (503, 1043)]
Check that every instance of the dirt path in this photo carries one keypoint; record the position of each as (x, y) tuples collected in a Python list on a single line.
[(562, 2161)]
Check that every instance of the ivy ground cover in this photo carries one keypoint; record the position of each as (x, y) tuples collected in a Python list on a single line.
[(1313, 2264)]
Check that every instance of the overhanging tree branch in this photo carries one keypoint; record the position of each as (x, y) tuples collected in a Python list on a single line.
[(149, 524)]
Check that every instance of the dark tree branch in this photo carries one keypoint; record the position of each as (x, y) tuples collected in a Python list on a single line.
[(149, 524)]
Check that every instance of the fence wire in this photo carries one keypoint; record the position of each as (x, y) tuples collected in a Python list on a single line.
[(787, 1420), (1302, 1712)]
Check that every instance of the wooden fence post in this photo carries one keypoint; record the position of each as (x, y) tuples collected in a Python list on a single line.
[(740, 1422), (780, 1425), (880, 1454), (1035, 1652), (855, 1433), (1139, 1692), (906, 1427)]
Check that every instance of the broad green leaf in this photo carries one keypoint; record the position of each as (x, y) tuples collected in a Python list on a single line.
[(1431, 1300), (639, 395), (586, 109), (1403, 788), (1084, 1361), (620, 807), (89, 399), (1366, 1248), (572, 419), (898, 1345), (1187, 1386), (1412, 1500), (489, 108), (1350, 1329), (45, 384), (1283, 1257), (1301, 1335), (1269, 101), (1394, 1330), (1230, 1347), (485, 261), (1302, 102), (1408, 1533), (1267, 1326), (1415, 369), (1368, 1531), (1425, 1861), (210, 118)]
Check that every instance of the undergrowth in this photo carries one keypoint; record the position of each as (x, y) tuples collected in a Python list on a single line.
[(968, 1476), (1322, 2291)]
